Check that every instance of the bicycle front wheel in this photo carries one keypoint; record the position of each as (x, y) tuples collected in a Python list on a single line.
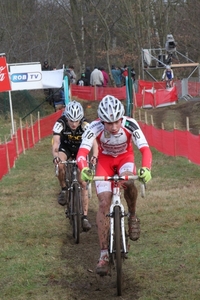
[(76, 214), (117, 226)]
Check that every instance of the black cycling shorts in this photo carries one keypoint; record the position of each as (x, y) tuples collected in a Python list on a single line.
[(69, 152)]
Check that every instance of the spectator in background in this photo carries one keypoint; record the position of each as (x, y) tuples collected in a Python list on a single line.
[(168, 76), (59, 99), (82, 81), (117, 76), (96, 77), (46, 66), (87, 74), (133, 74), (72, 74), (48, 92), (105, 76), (67, 73), (124, 74), (125, 71)]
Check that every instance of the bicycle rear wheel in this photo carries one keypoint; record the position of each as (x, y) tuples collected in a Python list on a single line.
[(76, 221), (68, 180), (117, 226)]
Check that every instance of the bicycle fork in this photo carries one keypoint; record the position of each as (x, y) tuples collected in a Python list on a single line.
[(71, 191), (117, 202)]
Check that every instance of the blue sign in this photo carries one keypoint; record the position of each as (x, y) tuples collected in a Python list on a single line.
[(26, 77)]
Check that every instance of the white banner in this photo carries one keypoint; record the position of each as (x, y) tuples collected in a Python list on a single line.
[(52, 79), (31, 77), (26, 77)]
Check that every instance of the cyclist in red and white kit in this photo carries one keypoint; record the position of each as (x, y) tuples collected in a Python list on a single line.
[(114, 133)]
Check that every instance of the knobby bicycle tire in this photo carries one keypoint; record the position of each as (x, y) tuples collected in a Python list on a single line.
[(68, 179), (76, 214), (69, 193), (117, 227)]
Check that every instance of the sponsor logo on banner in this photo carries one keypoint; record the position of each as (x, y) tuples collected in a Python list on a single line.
[(26, 77), (4, 77)]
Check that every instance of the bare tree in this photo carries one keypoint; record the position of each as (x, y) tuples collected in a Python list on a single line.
[(95, 32)]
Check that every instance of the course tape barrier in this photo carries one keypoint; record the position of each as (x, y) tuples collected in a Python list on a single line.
[(25, 138), (149, 94), (173, 143)]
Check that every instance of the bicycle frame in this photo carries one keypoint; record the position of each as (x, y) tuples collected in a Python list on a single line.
[(116, 201), (71, 183), (74, 205), (117, 235), (74, 171)]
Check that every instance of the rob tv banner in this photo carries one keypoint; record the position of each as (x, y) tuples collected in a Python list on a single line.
[(26, 77)]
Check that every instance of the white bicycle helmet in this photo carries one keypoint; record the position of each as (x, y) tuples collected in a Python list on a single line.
[(168, 67), (74, 111), (110, 109)]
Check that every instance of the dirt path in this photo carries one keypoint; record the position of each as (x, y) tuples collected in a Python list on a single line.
[(81, 261)]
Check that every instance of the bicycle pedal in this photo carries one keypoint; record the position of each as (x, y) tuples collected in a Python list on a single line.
[(66, 213), (106, 274), (126, 255)]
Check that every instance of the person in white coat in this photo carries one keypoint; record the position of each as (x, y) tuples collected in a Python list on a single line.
[(96, 77)]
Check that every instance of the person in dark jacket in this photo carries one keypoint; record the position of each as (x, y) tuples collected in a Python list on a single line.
[(48, 92), (82, 81), (59, 99), (87, 74)]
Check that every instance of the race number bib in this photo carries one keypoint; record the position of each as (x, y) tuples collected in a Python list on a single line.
[(58, 127)]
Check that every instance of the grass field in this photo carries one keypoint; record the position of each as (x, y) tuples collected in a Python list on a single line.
[(39, 260)]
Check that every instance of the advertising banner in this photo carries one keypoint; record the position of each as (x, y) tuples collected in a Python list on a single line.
[(52, 79), (26, 77), (4, 76), (31, 77)]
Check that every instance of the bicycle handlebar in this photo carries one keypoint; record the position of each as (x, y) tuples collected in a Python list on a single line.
[(73, 161), (63, 162), (115, 177)]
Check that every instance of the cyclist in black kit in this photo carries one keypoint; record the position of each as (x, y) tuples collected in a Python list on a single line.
[(67, 137)]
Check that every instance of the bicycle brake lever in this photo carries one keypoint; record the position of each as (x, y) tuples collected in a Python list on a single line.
[(143, 188)]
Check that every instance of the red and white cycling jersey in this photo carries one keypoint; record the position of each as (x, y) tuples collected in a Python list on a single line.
[(115, 145)]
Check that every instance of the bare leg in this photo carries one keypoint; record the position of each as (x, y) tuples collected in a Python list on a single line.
[(130, 194), (85, 203), (85, 199), (61, 175), (103, 221), (103, 231)]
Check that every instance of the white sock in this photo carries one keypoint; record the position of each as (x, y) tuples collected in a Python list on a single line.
[(104, 253)]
